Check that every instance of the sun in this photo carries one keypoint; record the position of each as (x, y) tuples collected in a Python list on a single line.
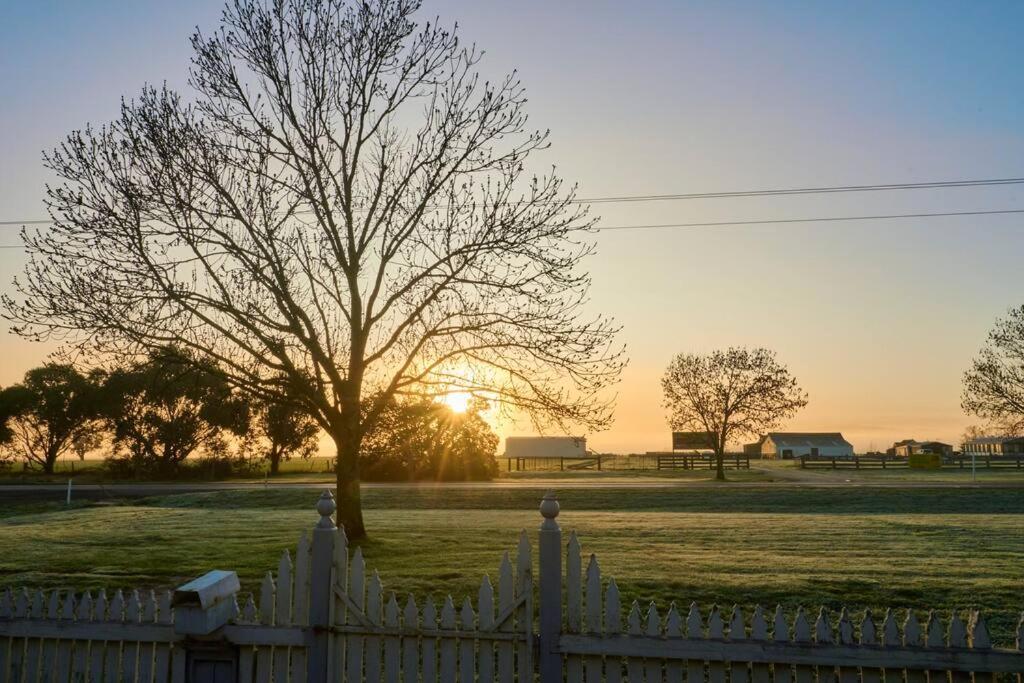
[(458, 401)]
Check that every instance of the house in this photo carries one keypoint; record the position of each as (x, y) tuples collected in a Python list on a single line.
[(909, 447), (786, 445), (994, 445), (546, 447)]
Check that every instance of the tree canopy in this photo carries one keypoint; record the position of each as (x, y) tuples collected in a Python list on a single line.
[(733, 393), (52, 412), (994, 384), (341, 198), (166, 408), (426, 440)]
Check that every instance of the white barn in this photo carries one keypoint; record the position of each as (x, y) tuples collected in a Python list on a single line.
[(556, 447), (786, 445)]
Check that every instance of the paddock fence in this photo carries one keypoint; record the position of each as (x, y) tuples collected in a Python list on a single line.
[(321, 616), (959, 461)]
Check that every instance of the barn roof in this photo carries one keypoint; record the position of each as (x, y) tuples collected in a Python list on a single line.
[(814, 439)]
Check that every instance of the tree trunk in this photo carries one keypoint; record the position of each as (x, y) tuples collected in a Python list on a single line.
[(275, 463), (719, 465), (348, 499)]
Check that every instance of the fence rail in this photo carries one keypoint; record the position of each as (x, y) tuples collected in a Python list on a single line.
[(859, 462), (323, 617)]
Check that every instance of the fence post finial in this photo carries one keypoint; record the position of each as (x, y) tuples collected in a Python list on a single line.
[(549, 508), (550, 591), (326, 507)]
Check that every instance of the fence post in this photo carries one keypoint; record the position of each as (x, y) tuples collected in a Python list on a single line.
[(550, 546), (320, 588)]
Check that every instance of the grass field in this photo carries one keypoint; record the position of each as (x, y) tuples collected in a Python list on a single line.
[(917, 548)]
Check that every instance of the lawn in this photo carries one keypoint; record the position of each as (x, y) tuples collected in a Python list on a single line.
[(919, 548)]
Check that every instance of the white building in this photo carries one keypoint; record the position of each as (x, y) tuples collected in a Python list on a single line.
[(786, 445), (556, 447)]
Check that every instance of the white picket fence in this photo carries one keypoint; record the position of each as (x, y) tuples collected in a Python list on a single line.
[(322, 617)]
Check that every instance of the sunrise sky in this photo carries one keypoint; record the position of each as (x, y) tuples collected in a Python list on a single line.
[(877, 319)]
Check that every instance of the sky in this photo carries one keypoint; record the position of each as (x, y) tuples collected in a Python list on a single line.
[(876, 319)]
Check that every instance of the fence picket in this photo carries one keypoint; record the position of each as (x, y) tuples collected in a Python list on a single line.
[(573, 604), (282, 614), (374, 609), (48, 646), (869, 636), (592, 665), (428, 660), (957, 637), (162, 651), (410, 644), (300, 605), (339, 647), (392, 645), (612, 627), (145, 668), (97, 648), (759, 673), (716, 631), (80, 658), (506, 600), (6, 644), (467, 659), (652, 629), (783, 673), (694, 631), (634, 665), (912, 638), (112, 655), (485, 622), (823, 634), (357, 595), (737, 631), (844, 635), (673, 630), (802, 634), (524, 615), (934, 637), (447, 645), (265, 653)]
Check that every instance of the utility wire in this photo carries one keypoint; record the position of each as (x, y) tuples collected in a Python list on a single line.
[(735, 193), (773, 221)]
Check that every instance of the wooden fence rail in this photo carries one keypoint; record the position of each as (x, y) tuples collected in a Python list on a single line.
[(322, 616)]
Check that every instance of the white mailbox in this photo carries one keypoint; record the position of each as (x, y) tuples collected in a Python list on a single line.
[(205, 604)]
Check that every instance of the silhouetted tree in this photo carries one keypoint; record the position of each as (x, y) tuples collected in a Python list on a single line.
[(424, 439), (279, 431), (170, 406), (732, 393), (994, 385), (53, 411), (345, 201)]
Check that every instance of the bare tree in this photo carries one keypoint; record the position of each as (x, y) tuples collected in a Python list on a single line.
[(343, 200), (733, 393), (994, 385)]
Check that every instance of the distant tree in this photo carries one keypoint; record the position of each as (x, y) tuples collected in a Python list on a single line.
[(733, 393), (170, 406), (341, 198), (424, 439), (994, 385), (50, 413), (280, 431)]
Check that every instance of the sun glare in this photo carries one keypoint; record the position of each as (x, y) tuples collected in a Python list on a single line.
[(457, 401)]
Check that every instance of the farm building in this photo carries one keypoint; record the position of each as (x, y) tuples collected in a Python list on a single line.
[(555, 447), (909, 447), (786, 445), (995, 445)]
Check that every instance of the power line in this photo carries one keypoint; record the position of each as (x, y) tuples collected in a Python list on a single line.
[(805, 190), (825, 219), (733, 193), (774, 221)]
